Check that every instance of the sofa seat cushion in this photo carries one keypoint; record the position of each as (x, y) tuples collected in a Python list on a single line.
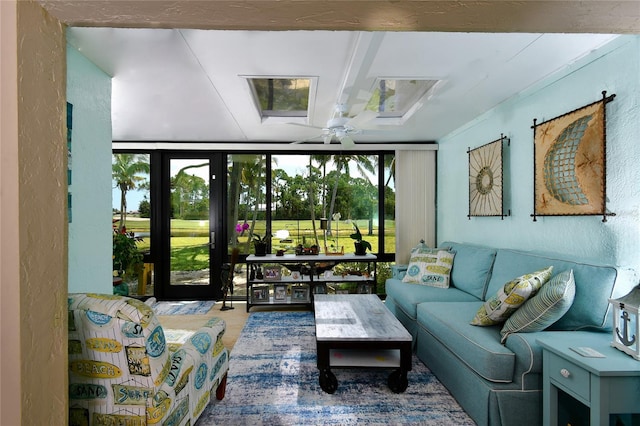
[(408, 296), (477, 347), (471, 267)]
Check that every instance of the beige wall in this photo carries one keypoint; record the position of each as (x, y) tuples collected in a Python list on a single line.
[(33, 217), (10, 385)]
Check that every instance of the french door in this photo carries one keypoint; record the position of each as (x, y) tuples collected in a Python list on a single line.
[(190, 223)]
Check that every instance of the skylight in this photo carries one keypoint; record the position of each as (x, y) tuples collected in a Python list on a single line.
[(393, 98), (281, 97)]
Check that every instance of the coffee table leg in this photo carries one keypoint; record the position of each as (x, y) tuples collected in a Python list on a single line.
[(328, 381), (398, 381)]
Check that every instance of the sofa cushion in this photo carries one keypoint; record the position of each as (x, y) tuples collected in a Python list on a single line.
[(471, 267), (408, 296), (510, 297), (477, 347), (430, 267), (594, 285), (552, 301)]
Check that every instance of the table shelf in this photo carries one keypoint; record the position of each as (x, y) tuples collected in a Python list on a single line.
[(300, 290)]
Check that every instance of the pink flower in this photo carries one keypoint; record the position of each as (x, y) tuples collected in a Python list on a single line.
[(241, 227)]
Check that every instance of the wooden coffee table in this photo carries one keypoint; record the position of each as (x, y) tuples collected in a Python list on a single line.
[(357, 330)]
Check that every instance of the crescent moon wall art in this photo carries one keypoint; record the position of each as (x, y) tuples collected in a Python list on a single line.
[(570, 162), (485, 179)]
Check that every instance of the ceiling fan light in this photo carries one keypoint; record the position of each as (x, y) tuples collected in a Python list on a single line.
[(337, 122)]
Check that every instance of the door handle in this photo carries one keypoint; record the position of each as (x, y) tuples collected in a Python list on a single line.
[(212, 241)]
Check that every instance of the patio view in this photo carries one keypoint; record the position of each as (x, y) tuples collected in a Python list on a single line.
[(310, 200)]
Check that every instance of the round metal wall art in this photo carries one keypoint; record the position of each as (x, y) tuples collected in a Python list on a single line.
[(486, 179)]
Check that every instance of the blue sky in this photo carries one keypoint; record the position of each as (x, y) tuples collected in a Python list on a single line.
[(292, 164)]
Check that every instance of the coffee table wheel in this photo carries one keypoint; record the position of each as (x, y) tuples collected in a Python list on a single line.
[(328, 381), (398, 381)]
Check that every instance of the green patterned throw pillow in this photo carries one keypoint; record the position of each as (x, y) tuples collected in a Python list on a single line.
[(429, 266), (552, 301), (508, 299)]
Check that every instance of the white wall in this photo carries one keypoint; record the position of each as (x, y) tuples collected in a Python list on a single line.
[(614, 68), (90, 240)]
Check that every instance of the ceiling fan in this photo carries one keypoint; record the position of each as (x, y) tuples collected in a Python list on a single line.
[(340, 127)]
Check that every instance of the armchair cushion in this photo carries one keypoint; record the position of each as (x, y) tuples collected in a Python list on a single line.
[(121, 370)]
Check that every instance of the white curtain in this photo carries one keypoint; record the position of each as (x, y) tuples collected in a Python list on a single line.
[(415, 176)]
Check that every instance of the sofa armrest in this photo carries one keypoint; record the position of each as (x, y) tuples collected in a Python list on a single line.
[(398, 271)]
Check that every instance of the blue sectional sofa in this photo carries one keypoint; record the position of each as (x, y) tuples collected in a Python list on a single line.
[(496, 383)]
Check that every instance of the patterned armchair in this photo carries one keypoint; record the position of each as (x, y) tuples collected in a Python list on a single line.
[(122, 369)]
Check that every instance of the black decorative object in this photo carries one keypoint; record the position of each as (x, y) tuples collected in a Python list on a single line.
[(261, 249), (227, 278)]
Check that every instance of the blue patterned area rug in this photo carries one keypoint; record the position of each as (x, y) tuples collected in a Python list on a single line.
[(273, 380), (196, 307)]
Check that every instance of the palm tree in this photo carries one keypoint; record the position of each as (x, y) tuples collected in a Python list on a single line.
[(126, 170), (363, 164), (188, 189), (390, 164), (322, 160)]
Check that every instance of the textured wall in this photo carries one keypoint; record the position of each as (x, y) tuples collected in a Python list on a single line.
[(89, 90), (42, 222), (596, 16), (614, 68)]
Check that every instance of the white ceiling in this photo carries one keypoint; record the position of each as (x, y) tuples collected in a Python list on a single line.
[(187, 85)]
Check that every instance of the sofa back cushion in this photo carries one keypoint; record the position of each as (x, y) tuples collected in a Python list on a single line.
[(430, 267), (594, 285), (471, 267)]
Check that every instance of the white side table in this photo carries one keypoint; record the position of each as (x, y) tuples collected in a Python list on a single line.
[(606, 385)]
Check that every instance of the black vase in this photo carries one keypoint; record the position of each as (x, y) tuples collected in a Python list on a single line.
[(261, 249), (360, 249)]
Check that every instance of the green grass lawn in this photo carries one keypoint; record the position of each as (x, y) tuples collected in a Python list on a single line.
[(190, 239)]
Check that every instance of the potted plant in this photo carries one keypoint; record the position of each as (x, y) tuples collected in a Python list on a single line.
[(126, 256), (306, 249), (260, 244), (360, 244)]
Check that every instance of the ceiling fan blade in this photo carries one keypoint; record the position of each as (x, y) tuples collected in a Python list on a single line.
[(306, 140), (347, 142), (362, 118), (308, 126)]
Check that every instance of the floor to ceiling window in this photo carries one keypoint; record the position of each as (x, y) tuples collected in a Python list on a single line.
[(287, 199), (131, 210)]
